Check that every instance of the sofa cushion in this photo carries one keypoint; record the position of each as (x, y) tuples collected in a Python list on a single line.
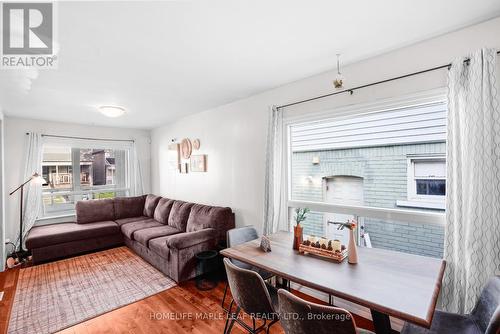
[(46, 235), (150, 205), (162, 210), (159, 246), (189, 239), (126, 207), (179, 215), (94, 210), (204, 216), (123, 221), (129, 229), (143, 236)]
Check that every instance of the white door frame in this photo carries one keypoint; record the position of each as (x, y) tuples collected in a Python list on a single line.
[(324, 183)]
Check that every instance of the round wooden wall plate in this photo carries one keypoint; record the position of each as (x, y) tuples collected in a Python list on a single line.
[(186, 148), (196, 144)]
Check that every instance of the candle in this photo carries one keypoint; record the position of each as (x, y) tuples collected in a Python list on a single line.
[(336, 245)]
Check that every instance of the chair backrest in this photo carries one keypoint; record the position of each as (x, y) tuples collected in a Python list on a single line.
[(237, 236), (486, 313), (299, 316), (249, 291)]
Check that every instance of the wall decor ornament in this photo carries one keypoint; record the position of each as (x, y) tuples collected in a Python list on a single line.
[(196, 144), (186, 148), (174, 157), (184, 168), (199, 163)]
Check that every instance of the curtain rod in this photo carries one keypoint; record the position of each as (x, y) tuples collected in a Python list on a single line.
[(86, 138), (351, 90)]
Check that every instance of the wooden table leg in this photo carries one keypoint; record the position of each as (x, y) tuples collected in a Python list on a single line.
[(381, 322)]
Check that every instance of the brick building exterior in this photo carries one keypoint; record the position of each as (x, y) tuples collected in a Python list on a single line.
[(384, 174)]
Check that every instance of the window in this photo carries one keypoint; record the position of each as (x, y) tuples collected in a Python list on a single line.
[(429, 178), (382, 165), (74, 174), (426, 183)]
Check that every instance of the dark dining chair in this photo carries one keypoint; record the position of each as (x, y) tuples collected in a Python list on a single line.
[(237, 236), (252, 295), (484, 318), (299, 316)]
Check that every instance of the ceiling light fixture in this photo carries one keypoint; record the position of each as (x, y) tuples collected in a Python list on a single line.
[(111, 111), (339, 79)]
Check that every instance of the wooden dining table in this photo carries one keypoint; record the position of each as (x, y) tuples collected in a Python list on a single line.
[(389, 283)]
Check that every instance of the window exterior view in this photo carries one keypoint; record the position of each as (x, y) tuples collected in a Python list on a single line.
[(392, 159), (74, 174)]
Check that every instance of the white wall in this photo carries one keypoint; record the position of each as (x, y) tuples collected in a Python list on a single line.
[(234, 135), (15, 136)]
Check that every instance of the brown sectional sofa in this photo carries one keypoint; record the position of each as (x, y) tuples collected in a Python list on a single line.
[(166, 233)]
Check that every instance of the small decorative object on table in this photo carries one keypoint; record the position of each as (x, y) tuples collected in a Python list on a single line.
[(331, 249), (265, 244), (353, 250), (300, 216)]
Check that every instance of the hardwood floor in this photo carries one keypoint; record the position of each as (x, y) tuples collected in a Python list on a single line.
[(182, 309), (8, 283)]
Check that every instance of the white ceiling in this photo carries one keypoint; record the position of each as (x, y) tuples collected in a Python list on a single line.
[(164, 60)]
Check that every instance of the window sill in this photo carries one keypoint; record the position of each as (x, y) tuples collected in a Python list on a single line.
[(422, 205)]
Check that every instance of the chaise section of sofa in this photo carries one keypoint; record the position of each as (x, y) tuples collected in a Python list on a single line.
[(167, 233), (48, 242)]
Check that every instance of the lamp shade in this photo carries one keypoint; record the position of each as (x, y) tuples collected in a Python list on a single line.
[(38, 179)]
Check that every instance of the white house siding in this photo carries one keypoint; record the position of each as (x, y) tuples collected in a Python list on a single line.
[(384, 173), (408, 125)]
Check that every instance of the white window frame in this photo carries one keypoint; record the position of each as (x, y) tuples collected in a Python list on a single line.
[(435, 202), (77, 191), (411, 216)]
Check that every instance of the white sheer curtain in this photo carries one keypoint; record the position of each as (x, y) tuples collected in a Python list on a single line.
[(274, 196), (32, 206), (136, 183), (472, 242)]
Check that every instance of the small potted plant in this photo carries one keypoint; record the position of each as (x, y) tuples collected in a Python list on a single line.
[(352, 248), (300, 216)]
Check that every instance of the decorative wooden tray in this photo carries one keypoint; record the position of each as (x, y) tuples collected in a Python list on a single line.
[(338, 257)]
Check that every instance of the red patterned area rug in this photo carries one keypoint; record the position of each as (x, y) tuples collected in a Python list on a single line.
[(54, 296)]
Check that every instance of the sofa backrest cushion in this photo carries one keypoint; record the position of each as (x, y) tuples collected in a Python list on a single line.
[(205, 216), (179, 215), (128, 207), (162, 210), (95, 210), (150, 205)]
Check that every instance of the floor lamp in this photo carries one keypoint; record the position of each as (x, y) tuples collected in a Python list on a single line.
[(21, 254)]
